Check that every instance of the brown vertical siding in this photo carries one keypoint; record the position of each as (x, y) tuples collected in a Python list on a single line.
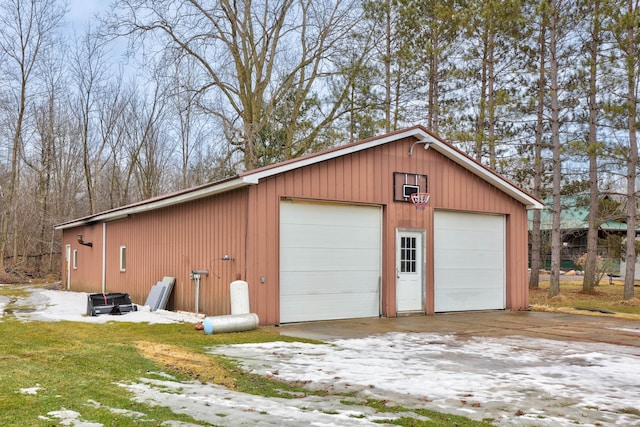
[(366, 177), (172, 242), (88, 276)]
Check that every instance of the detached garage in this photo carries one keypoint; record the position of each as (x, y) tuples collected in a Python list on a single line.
[(331, 235)]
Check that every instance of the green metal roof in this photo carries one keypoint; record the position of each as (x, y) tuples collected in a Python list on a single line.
[(573, 216)]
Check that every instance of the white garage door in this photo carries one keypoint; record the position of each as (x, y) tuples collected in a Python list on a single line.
[(469, 259), (330, 261)]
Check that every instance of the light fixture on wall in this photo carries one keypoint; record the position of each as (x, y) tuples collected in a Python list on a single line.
[(227, 258), (82, 242), (426, 141)]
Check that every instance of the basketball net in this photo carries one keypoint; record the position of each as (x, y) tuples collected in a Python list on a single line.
[(420, 200)]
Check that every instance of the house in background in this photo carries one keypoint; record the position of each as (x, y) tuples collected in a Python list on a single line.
[(331, 235), (574, 226)]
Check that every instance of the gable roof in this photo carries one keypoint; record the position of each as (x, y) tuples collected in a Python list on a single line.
[(254, 176)]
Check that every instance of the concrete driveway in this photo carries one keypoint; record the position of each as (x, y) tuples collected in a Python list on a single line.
[(556, 326)]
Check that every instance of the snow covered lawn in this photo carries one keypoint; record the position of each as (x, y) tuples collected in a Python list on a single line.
[(512, 380)]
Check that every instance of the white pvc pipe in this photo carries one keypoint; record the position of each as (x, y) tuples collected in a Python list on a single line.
[(104, 257), (197, 278)]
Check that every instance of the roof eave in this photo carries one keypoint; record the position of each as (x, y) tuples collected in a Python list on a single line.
[(188, 196)]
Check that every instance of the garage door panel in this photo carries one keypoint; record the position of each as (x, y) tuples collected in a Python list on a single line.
[(470, 298), (313, 259), (312, 283), (469, 261), (318, 214), (319, 236), (461, 220), (472, 259), (330, 261), (470, 240), (325, 308), (487, 277)]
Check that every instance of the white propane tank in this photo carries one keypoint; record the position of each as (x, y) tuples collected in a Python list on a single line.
[(239, 291), (230, 323)]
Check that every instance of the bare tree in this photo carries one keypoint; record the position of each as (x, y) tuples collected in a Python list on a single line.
[(147, 152), (49, 123), (112, 137), (189, 125), (251, 55), (88, 70), (27, 29)]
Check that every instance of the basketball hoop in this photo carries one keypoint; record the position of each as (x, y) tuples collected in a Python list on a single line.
[(420, 200)]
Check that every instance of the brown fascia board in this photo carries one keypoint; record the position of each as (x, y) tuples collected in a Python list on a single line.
[(254, 176)]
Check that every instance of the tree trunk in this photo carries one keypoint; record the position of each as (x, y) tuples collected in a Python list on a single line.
[(434, 95), (538, 168), (387, 68), (632, 157), (591, 262), (9, 208), (556, 237), (482, 102), (491, 97)]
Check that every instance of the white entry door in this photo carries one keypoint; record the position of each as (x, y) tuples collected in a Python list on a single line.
[(409, 271)]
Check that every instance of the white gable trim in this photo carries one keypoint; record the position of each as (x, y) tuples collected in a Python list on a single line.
[(417, 132), (488, 175), (349, 149)]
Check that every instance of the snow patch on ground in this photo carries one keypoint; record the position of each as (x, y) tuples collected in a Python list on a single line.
[(634, 331), (222, 407), (69, 418), (545, 381), (53, 306), (125, 412), (3, 303), (31, 390)]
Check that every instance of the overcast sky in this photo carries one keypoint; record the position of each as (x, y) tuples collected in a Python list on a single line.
[(81, 12)]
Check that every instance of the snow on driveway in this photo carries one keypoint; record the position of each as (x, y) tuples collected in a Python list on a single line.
[(512, 380)]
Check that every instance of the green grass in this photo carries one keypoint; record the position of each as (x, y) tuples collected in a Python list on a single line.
[(607, 297), (72, 364), (433, 418), (76, 365)]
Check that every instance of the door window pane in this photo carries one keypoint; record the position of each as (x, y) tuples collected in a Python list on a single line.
[(408, 254)]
